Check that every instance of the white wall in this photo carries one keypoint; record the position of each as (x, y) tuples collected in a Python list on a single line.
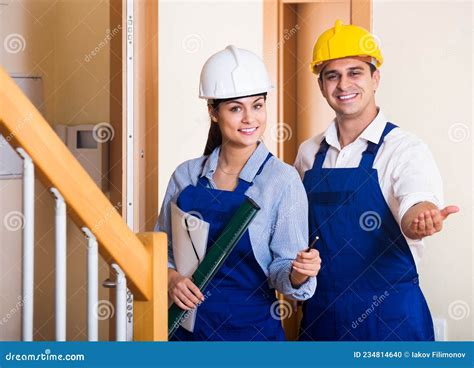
[(10, 260), (190, 32), (426, 88)]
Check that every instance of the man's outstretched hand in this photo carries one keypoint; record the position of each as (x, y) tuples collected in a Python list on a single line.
[(425, 219)]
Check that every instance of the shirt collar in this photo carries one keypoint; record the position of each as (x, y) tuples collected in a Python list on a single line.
[(249, 170), (372, 133)]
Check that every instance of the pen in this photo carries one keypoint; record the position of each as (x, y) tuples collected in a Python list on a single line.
[(313, 243)]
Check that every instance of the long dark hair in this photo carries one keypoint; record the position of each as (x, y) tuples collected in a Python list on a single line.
[(214, 137)]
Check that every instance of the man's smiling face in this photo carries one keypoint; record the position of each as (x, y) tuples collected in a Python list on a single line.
[(349, 86)]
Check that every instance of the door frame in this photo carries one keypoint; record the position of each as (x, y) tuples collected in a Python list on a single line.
[(276, 37), (134, 112)]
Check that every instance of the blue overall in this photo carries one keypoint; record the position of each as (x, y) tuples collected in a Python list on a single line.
[(368, 283), (238, 299)]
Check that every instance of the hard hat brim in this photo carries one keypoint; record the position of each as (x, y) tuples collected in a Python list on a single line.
[(241, 95), (318, 68)]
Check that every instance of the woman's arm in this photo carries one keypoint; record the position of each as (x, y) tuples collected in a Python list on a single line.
[(164, 219), (289, 237), (181, 290)]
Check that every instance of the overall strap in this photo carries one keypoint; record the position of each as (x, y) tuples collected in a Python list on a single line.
[(243, 185), (321, 154), (368, 156)]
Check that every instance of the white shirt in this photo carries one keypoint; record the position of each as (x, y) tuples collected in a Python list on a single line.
[(406, 169)]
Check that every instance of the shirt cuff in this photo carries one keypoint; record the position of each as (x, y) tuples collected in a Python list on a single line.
[(303, 292), (412, 199), (171, 265)]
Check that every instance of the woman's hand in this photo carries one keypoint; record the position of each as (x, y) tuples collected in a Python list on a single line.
[(183, 291), (306, 264)]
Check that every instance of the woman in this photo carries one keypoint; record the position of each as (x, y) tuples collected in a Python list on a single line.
[(240, 301)]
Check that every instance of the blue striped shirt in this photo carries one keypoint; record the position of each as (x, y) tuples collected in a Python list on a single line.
[(280, 229)]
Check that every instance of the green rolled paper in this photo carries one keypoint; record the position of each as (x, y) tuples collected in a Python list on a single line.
[(216, 256)]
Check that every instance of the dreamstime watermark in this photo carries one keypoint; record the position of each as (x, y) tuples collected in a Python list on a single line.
[(6, 139), (369, 43), (46, 356), (107, 216), (189, 312), (378, 300), (103, 132), (370, 221), (14, 310), (459, 132), (192, 43), (281, 309), (109, 35), (192, 221), (287, 35), (281, 132), (286, 217), (458, 310), (104, 310), (14, 220), (14, 43)]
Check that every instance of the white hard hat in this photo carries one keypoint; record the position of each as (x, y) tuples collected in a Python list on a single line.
[(233, 72)]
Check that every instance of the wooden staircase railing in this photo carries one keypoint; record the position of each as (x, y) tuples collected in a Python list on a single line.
[(143, 257)]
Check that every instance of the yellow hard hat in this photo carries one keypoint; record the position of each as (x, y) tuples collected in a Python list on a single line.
[(343, 41)]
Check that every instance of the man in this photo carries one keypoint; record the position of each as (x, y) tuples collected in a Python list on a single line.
[(374, 193)]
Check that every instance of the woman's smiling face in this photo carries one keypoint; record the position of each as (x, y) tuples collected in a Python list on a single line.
[(242, 121)]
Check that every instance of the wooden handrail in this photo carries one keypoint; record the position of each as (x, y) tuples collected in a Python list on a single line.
[(23, 126)]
